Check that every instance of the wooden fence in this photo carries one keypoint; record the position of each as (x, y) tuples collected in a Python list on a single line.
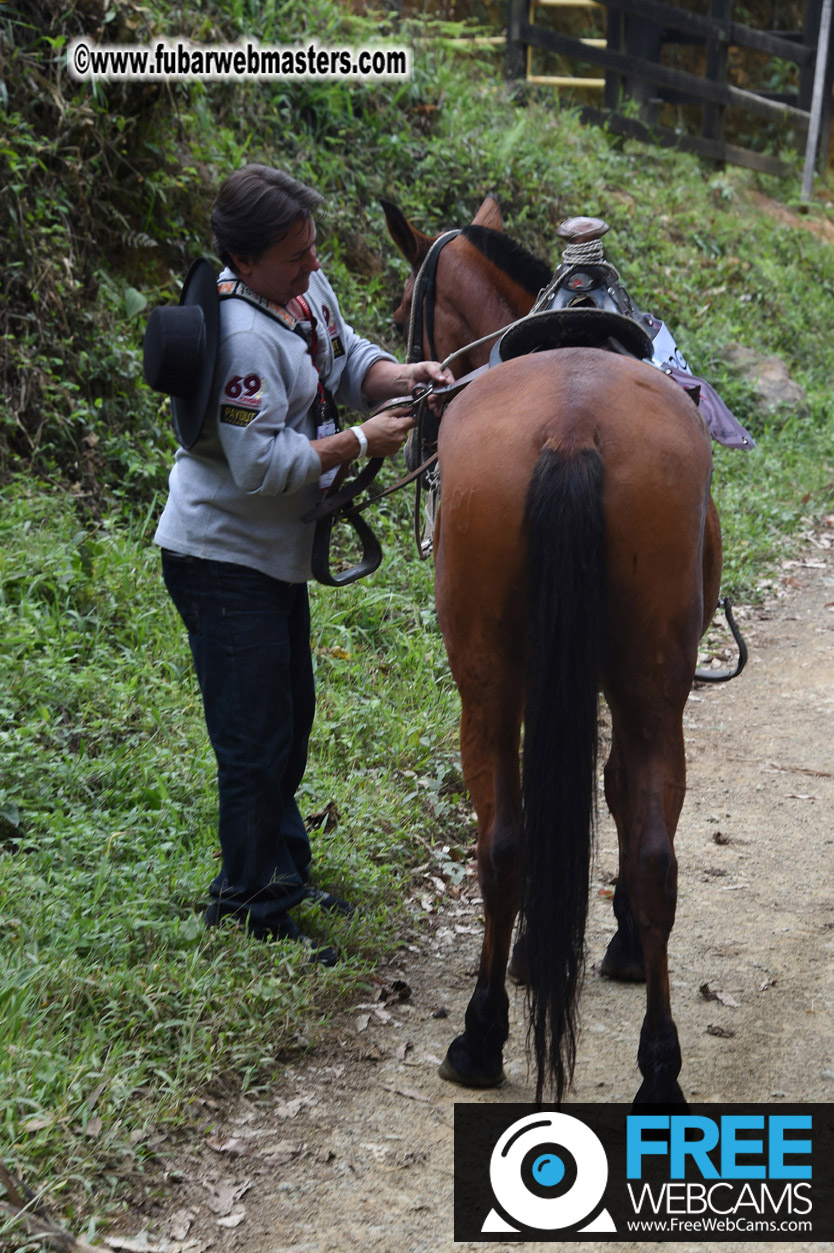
[(630, 56)]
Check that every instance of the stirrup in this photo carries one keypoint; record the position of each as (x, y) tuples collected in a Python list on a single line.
[(430, 516), (723, 676)]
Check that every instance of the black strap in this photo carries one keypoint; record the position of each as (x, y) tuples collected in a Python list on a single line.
[(336, 500), (424, 288), (320, 557)]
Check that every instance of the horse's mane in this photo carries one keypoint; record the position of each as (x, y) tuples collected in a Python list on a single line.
[(519, 264)]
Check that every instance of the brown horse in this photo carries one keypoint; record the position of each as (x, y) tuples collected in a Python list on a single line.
[(577, 550)]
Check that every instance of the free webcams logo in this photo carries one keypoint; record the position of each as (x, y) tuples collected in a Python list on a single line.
[(734, 1173), (710, 1172), (548, 1173)]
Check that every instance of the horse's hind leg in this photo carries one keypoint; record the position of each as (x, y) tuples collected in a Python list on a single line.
[(623, 958), (490, 732), (646, 787)]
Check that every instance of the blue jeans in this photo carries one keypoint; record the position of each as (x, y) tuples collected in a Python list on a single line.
[(250, 640)]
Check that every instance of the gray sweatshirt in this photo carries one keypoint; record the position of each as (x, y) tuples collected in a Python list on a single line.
[(238, 494)]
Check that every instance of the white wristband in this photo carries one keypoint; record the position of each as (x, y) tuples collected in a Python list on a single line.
[(363, 439)]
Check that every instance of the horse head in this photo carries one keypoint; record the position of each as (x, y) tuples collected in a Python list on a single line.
[(415, 248), (414, 245)]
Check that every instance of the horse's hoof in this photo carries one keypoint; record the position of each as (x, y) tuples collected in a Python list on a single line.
[(622, 963), (671, 1094), (447, 1071), (472, 1078)]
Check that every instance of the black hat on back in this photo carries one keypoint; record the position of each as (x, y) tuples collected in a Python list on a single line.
[(180, 350)]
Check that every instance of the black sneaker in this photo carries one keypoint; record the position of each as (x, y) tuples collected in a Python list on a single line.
[(326, 900), (287, 929), (284, 928)]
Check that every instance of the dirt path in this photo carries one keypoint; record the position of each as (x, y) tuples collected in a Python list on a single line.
[(356, 1152)]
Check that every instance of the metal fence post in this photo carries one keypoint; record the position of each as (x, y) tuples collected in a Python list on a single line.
[(515, 62)]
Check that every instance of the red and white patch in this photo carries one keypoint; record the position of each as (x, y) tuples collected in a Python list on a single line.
[(329, 321), (333, 331), (244, 389)]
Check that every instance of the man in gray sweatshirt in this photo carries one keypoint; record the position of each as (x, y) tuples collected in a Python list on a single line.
[(236, 553)]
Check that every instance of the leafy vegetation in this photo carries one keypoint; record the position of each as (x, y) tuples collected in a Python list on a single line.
[(116, 1005)]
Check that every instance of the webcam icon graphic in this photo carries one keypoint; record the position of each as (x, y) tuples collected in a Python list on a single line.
[(548, 1172)]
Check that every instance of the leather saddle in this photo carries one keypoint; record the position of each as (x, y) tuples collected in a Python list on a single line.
[(583, 327), (585, 306)]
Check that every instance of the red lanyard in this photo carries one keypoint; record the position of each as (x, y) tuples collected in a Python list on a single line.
[(305, 309), (314, 342)]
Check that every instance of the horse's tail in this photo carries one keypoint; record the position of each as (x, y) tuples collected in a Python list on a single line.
[(566, 528)]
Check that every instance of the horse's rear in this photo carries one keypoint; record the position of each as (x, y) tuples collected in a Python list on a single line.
[(577, 551)]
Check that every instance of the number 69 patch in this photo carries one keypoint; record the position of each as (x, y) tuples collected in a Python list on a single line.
[(241, 400)]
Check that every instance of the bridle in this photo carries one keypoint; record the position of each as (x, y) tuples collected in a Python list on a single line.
[(422, 301), (422, 314)]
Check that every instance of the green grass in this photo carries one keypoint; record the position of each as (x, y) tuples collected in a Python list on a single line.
[(770, 497), (117, 1006)]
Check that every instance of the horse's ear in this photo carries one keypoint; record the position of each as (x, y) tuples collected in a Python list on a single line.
[(489, 215), (411, 243)]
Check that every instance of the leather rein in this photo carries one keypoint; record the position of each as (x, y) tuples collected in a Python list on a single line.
[(339, 501)]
